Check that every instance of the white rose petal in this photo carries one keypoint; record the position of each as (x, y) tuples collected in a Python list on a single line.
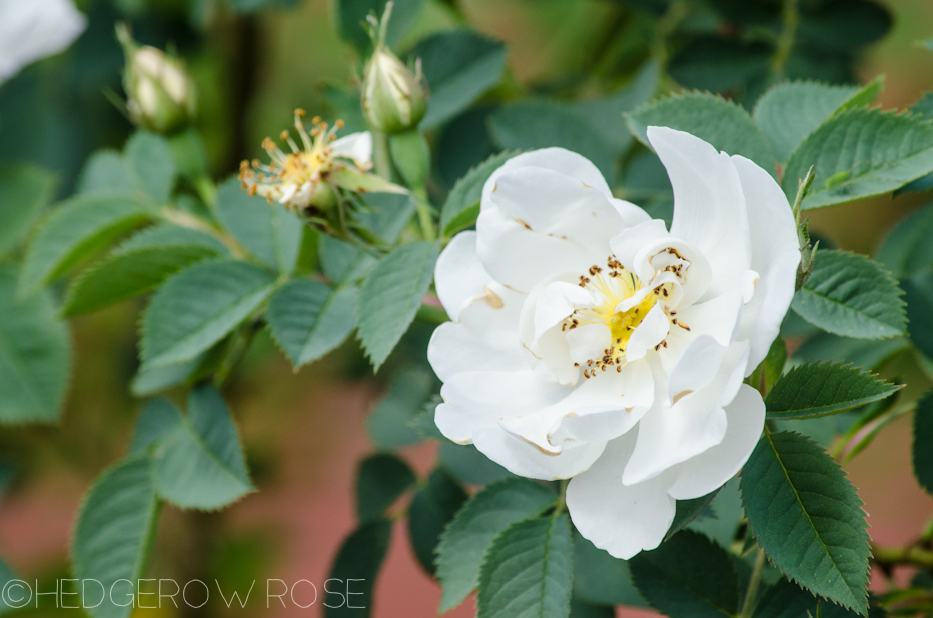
[(33, 29), (590, 342)]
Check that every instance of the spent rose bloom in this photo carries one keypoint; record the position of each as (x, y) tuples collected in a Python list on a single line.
[(318, 164), (590, 342)]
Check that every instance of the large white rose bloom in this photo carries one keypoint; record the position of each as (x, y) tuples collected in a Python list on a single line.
[(590, 342), (33, 29)]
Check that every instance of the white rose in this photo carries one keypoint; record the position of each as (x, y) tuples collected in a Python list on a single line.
[(589, 342), (33, 29)]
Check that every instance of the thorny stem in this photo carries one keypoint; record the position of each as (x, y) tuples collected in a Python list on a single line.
[(748, 605), (785, 43)]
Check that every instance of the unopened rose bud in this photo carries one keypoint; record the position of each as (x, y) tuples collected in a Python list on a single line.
[(394, 98), (160, 93)]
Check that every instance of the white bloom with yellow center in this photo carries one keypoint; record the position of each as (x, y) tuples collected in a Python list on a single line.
[(590, 342), (310, 173)]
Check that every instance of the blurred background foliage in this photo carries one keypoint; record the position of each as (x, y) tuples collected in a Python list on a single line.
[(583, 62)]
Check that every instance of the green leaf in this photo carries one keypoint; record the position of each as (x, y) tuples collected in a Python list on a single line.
[(158, 418), (7, 471), (34, 355), (582, 609), (431, 508), (114, 534), (528, 571), (462, 205), (308, 319), (342, 262), (786, 599), (600, 578), (388, 215), (691, 510), (919, 295), (150, 165), (850, 295), (151, 380), (199, 464), (606, 114), (459, 66), (267, 231), (791, 111), (423, 423), (539, 123), (380, 481), (390, 297), (25, 191), (486, 515), (104, 172), (688, 576), (469, 465), (808, 517), (774, 362), (725, 517), (387, 425), (351, 20), (923, 437), (865, 353), (76, 230), (906, 250), (355, 568), (821, 389), (725, 125), (127, 274), (198, 306), (924, 106), (170, 235), (860, 153)]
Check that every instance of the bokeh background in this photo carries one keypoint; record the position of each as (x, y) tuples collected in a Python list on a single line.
[(304, 432)]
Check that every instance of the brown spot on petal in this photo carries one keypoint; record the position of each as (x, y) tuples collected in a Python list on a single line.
[(492, 299), (680, 396)]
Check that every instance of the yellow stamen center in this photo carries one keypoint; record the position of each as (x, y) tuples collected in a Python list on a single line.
[(287, 174), (614, 284)]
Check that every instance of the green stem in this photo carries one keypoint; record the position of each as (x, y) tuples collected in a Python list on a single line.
[(911, 556), (785, 44), (237, 350), (748, 605), (382, 160), (666, 27), (562, 503), (207, 192), (425, 214)]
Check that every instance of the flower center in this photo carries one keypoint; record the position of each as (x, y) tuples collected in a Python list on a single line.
[(612, 286), (290, 176)]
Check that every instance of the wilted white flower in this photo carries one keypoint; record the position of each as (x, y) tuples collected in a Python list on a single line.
[(590, 342), (307, 176), (33, 29)]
